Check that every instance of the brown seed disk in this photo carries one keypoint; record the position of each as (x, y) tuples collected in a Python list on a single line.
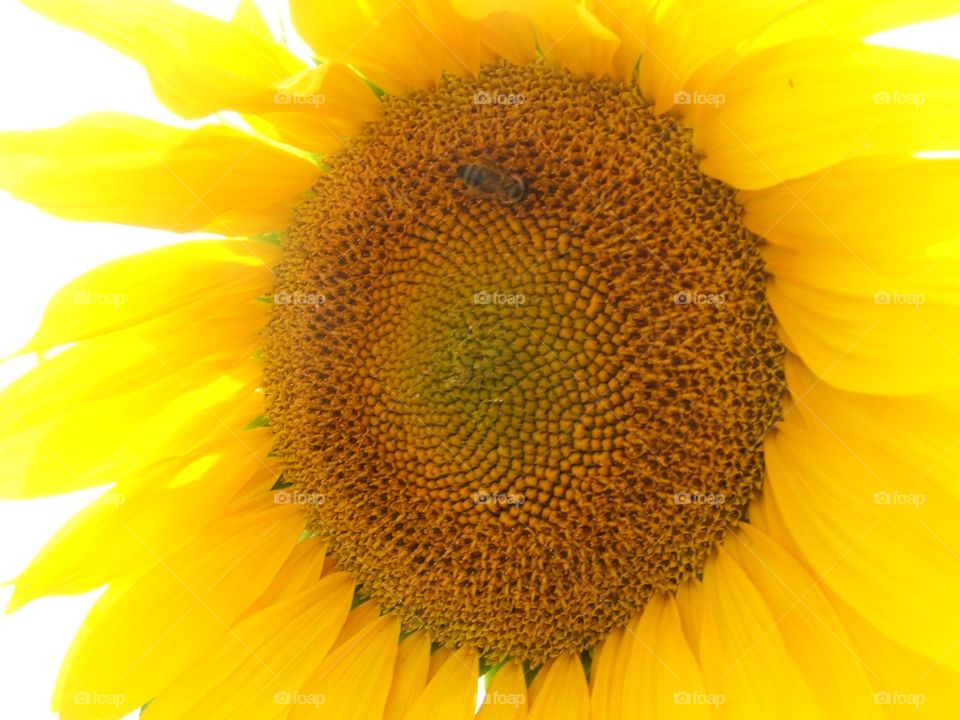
[(522, 417)]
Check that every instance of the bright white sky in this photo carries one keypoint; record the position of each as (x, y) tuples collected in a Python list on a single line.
[(51, 74)]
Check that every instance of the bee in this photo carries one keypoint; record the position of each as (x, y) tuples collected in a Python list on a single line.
[(508, 188)]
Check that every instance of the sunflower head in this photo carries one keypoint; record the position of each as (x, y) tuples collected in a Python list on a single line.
[(574, 345)]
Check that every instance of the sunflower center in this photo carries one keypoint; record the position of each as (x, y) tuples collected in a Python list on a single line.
[(520, 361)]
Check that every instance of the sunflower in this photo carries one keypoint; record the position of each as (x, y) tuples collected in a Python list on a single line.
[(601, 352)]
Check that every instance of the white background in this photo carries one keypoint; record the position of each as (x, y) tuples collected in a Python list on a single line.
[(50, 74)]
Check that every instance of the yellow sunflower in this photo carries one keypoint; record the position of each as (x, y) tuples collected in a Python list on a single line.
[(606, 351)]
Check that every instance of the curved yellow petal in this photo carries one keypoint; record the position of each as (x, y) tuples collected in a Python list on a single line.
[(451, 693), (887, 326), (67, 451), (811, 631), (111, 167), (684, 36), (918, 430), (767, 24), (661, 675), (320, 108), (562, 693), (879, 534), (184, 282), (259, 668), (905, 684), (131, 645), (796, 108), (300, 571), (399, 46), (874, 206), (124, 532), (568, 33), (410, 675), (630, 21), (197, 64), (739, 643), (608, 676), (506, 695), (353, 681)]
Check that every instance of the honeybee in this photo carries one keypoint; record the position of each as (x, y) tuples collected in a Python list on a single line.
[(508, 188)]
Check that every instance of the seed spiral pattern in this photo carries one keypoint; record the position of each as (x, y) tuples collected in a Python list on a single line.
[(518, 420)]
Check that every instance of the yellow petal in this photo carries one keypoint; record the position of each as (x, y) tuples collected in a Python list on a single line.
[(563, 692), (569, 34), (875, 206), (258, 669), (883, 326), (811, 631), (630, 21), (917, 430), (301, 570), (68, 451), (111, 167), (399, 46), (352, 682), (608, 676), (905, 684), (451, 693), (739, 643), (684, 36), (319, 108), (661, 678), (124, 532), (131, 645), (797, 108), (197, 64), (877, 533), (764, 25), (184, 281), (410, 675), (506, 695)]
